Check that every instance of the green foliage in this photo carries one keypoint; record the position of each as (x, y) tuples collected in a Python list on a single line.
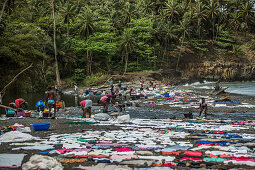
[(117, 35), (95, 79), (79, 75)]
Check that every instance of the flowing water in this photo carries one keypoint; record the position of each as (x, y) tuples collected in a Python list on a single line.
[(244, 88)]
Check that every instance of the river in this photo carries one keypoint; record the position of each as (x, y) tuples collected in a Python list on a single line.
[(243, 88)]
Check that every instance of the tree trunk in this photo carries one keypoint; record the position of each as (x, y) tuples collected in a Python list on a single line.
[(88, 63), (55, 46), (177, 65), (2, 12), (126, 63)]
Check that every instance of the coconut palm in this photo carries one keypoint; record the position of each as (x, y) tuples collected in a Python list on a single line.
[(127, 46), (185, 30), (213, 10), (200, 14), (87, 28), (234, 20), (172, 9), (247, 14), (68, 12)]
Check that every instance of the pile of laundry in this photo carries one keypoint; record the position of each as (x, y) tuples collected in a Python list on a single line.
[(141, 144)]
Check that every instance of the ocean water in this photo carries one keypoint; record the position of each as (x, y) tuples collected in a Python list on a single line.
[(244, 88)]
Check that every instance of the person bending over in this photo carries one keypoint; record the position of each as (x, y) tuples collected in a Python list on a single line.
[(86, 106)]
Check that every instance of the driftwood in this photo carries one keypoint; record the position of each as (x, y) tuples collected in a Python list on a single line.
[(221, 91), (7, 107), (2, 92)]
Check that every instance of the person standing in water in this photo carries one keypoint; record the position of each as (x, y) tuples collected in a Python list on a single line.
[(51, 101), (203, 107)]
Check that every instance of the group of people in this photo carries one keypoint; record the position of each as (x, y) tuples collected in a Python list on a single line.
[(115, 98), (51, 103)]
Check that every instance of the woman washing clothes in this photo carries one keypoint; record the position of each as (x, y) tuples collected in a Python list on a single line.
[(203, 107)]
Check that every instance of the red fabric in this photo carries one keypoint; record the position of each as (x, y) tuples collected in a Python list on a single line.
[(225, 156), (195, 153), (170, 153), (212, 156), (18, 102), (109, 95), (243, 158), (189, 158)]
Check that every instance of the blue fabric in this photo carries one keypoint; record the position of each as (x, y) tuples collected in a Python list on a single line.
[(223, 143), (9, 111), (40, 103), (231, 136), (51, 102), (47, 152)]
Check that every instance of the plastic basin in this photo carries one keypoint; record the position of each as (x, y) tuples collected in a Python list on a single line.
[(41, 126)]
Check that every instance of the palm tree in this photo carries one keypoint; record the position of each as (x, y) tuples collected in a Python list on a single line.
[(146, 6), (234, 20), (87, 28), (185, 29), (68, 12), (170, 35), (200, 14), (246, 13), (213, 9), (127, 46), (172, 9)]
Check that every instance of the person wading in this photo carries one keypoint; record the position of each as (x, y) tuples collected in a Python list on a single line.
[(203, 107)]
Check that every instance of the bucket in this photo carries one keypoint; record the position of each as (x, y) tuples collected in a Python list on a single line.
[(166, 94), (27, 114), (41, 126)]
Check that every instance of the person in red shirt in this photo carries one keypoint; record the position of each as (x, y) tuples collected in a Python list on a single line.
[(20, 103)]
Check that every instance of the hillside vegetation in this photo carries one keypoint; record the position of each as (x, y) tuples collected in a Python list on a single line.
[(103, 37)]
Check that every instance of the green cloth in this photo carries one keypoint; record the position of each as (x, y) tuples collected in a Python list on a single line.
[(207, 159), (79, 123), (84, 140), (176, 127)]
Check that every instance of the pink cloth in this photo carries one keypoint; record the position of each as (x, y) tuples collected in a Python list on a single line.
[(122, 157), (94, 156), (122, 149), (82, 149), (103, 99), (18, 102), (64, 150), (195, 153), (112, 144), (82, 103)]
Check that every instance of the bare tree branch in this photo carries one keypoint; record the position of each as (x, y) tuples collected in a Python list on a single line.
[(2, 12), (17, 75)]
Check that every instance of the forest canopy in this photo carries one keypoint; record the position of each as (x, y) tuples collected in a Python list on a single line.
[(108, 36)]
